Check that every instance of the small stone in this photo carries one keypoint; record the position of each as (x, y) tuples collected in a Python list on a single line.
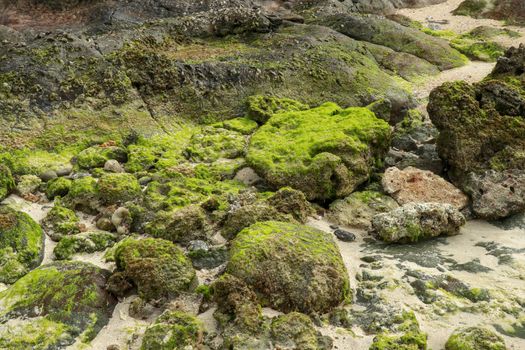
[(105, 224), (248, 176), (198, 245), (28, 184), (113, 166), (143, 181), (334, 227), (344, 236), (64, 171), (48, 175)]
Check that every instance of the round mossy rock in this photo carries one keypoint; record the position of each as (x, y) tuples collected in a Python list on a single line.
[(21, 244), (291, 267), (58, 187), (97, 156), (71, 301), (61, 221), (7, 183), (325, 152), (157, 267), (475, 338), (118, 188)]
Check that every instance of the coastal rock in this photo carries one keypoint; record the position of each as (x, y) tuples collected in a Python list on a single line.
[(420, 186), (475, 338), (417, 221), (7, 183)]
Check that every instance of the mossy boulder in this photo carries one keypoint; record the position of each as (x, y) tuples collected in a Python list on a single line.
[(54, 306), (297, 331), (61, 221), (261, 108), (475, 338), (28, 184), (173, 330), (404, 335), (21, 244), (97, 156), (325, 152), (88, 242), (290, 266), (245, 126), (292, 202), (211, 144), (156, 267), (58, 187), (83, 195), (7, 183), (118, 188)]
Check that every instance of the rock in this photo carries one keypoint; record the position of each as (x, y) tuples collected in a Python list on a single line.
[(475, 338), (173, 330), (156, 267), (325, 152), (212, 144), (140, 309), (293, 202), (118, 188), (180, 226), (21, 244), (121, 220), (83, 195), (358, 209), (417, 221), (344, 236), (88, 242), (97, 156), (7, 183), (64, 171), (412, 185), (48, 175), (292, 267), (58, 187), (28, 184), (405, 333), (105, 224), (207, 258), (297, 331), (511, 11), (54, 306), (262, 108), (61, 221), (497, 195), (248, 176), (113, 166)]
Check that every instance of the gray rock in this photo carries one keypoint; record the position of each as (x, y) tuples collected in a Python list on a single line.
[(496, 195), (248, 176), (417, 221), (113, 166), (344, 236), (64, 171), (48, 175), (28, 184)]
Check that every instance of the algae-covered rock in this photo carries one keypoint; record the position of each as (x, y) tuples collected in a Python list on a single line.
[(96, 156), (213, 143), (245, 126), (157, 267), (61, 221), (297, 331), (7, 183), (417, 221), (173, 330), (292, 267), (404, 335), (21, 244), (54, 305), (88, 242), (58, 187), (475, 338), (292, 202), (28, 184), (325, 152), (358, 209), (118, 188), (261, 108), (83, 195)]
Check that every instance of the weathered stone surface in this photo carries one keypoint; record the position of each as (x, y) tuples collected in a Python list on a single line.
[(417, 221), (475, 338), (420, 186)]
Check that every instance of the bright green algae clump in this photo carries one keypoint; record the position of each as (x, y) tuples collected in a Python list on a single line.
[(7, 183), (71, 301), (325, 152), (406, 336), (173, 330), (292, 267), (21, 244), (475, 338)]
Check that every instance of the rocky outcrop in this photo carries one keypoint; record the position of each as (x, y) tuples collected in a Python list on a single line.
[(512, 11), (417, 221), (419, 186)]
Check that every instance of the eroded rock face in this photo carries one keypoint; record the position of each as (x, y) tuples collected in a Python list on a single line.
[(417, 221), (420, 186), (292, 267)]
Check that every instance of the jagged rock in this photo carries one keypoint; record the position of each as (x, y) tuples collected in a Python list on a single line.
[(417, 221), (420, 186)]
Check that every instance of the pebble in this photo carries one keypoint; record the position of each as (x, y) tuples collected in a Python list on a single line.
[(344, 236)]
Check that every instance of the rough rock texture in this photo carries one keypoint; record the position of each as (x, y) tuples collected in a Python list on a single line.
[(358, 209), (7, 183), (173, 330), (497, 195), (325, 152), (417, 221), (475, 338), (54, 305), (60, 222), (512, 11), (420, 186), (21, 244), (292, 267)]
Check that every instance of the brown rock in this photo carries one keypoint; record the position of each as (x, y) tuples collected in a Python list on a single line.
[(420, 186)]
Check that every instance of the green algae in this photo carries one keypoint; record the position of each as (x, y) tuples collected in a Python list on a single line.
[(58, 187), (173, 330), (89, 242), (61, 221), (7, 183), (118, 188), (475, 338)]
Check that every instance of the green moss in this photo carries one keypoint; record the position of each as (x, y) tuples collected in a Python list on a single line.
[(7, 183), (407, 335), (471, 8), (261, 108), (83, 194), (35, 161), (205, 290), (21, 244), (324, 152), (118, 188), (244, 126), (84, 243), (37, 334), (211, 143), (300, 256), (157, 267), (96, 156), (295, 331), (61, 221), (182, 225), (58, 187), (475, 338), (173, 330)]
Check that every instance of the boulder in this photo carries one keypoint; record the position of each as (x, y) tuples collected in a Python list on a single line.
[(28, 184), (325, 152), (292, 267), (88, 242), (475, 338), (7, 183), (53, 306), (114, 188), (21, 244), (61, 221), (97, 156), (58, 187), (412, 185), (417, 221), (180, 226), (173, 330)]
